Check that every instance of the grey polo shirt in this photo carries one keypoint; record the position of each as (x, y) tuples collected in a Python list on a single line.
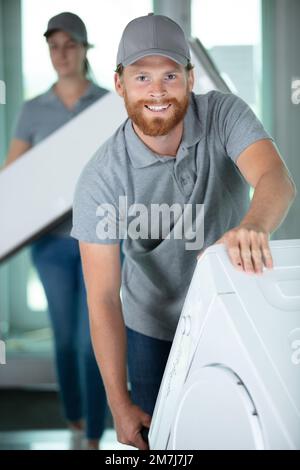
[(46, 113), (157, 272)]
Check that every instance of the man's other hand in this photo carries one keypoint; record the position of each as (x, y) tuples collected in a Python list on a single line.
[(248, 248)]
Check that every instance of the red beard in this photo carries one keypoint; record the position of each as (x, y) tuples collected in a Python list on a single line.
[(156, 126)]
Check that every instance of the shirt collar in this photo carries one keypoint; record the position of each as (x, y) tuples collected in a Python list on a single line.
[(141, 156), (192, 126), (49, 96), (92, 90)]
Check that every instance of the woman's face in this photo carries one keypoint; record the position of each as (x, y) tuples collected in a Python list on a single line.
[(66, 54)]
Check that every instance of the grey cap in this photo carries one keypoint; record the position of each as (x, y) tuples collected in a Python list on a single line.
[(153, 35), (71, 24)]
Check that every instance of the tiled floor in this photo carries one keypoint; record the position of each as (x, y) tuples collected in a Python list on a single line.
[(51, 440), (22, 424)]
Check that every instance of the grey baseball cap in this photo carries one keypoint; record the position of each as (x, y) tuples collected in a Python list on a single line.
[(153, 35), (71, 24)]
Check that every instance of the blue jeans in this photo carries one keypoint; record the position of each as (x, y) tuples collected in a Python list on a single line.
[(147, 358), (57, 260)]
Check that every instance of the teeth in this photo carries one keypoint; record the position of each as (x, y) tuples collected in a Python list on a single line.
[(157, 108)]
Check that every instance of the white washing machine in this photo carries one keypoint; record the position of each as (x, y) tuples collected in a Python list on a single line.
[(232, 380)]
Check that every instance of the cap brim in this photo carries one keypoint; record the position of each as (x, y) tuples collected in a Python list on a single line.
[(73, 36), (180, 59)]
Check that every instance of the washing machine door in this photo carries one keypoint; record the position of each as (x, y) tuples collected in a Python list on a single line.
[(216, 412)]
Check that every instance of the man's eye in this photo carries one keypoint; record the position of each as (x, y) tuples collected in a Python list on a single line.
[(141, 78), (171, 76)]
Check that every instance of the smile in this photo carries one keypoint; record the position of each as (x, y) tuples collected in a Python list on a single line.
[(158, 109)]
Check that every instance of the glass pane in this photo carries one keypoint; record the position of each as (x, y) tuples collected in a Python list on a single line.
[(231, 32), (28, 325), (36, 299)]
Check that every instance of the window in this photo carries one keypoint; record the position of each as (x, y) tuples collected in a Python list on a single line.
[(105, 22), (231, 32)]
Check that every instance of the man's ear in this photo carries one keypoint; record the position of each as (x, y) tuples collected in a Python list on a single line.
[(191, 79), (119, 85)]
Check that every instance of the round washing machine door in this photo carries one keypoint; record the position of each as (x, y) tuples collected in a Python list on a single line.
[(216, 412)]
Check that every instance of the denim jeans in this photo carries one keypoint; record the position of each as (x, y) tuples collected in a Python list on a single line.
[(57, 260), (147, 358)]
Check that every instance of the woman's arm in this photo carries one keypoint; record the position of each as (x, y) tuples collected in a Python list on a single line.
[(16, 150)]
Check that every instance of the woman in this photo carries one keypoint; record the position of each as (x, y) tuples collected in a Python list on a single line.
[(56, 255)]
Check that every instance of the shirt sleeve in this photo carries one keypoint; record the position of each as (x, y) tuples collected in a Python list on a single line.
[(23, 124), (96, 205), (238, 126)]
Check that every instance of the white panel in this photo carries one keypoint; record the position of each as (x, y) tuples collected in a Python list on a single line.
[(224, 416), (38, 188)]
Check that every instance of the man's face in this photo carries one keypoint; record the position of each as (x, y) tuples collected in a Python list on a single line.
[(156, 92)]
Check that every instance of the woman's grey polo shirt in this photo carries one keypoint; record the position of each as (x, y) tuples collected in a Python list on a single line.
[(46, 113), (157, 272)]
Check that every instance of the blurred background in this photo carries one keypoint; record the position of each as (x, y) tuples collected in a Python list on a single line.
[(254, 46)]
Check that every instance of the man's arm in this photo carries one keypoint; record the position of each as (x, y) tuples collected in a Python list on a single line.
[(102, 274), (248, 244)]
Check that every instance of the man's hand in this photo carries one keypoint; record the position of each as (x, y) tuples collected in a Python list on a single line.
[(129, 421), (248, 248)]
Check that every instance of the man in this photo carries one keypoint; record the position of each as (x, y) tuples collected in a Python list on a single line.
[(180, 149)]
